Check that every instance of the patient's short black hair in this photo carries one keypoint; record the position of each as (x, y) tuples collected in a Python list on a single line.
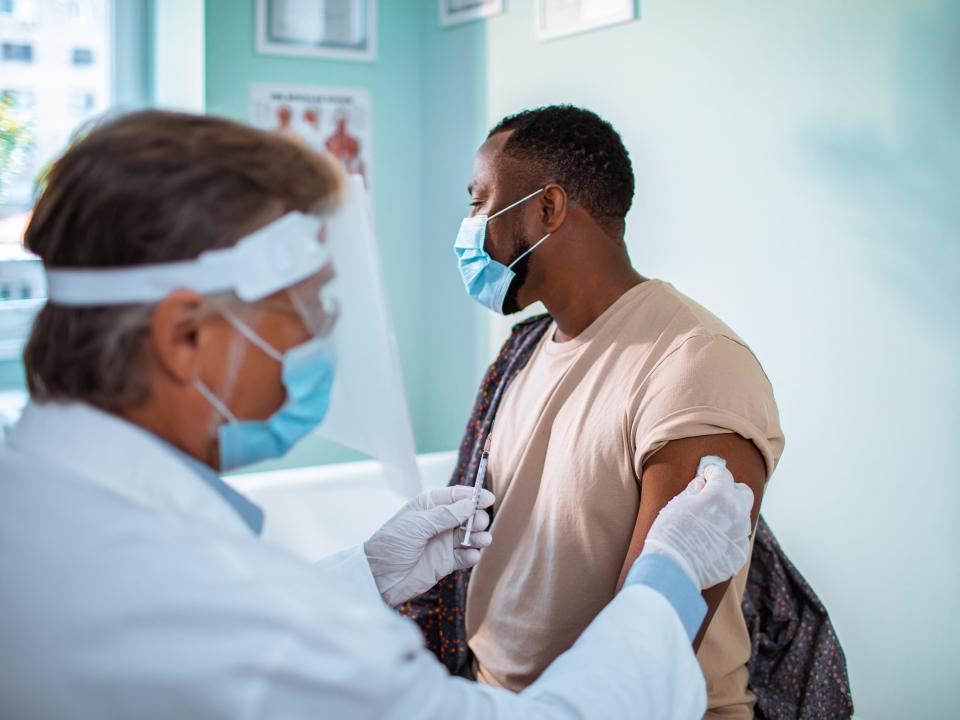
[(578, 150)]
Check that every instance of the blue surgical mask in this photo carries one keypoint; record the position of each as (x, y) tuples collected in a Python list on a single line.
[(485, 279), (307, 374)]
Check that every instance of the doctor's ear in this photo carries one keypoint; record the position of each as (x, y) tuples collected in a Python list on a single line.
[(175, 334), (553, 203)]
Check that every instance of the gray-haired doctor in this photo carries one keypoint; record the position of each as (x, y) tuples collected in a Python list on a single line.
[(188, 333)]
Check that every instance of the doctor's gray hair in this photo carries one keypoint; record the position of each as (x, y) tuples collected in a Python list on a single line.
[(151, 187)]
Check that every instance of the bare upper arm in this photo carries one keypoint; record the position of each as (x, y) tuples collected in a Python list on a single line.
[(669, 470)]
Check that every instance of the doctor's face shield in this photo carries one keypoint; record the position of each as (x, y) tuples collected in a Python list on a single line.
[(276, 283), (286, 258)]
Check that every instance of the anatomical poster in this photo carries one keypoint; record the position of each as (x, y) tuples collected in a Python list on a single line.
[(336, 119)]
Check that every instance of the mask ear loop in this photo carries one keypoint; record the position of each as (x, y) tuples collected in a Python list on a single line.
[(233, 367), (215, 402), (528, 251), (518, 202), (509, 207), (242, 328)]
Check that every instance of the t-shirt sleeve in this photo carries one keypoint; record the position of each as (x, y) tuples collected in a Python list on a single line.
[(708, 385)]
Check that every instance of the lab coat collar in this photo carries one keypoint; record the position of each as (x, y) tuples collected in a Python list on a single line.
[(251, 514), (121, 457)]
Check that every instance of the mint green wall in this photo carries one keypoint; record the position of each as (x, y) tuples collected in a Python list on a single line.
[(395, 82), (11, 375), (428, 113), (454, 98), (797, 166)]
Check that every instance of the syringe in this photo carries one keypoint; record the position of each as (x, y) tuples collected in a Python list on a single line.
[(477, 487)]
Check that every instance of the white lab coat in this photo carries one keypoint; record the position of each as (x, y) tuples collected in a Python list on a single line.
[(130, 589)]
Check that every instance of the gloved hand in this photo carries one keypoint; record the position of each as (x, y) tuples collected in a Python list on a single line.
[(420, 545), (706, 528)]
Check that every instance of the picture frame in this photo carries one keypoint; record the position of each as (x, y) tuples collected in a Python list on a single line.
[(457, 12), (325, 29), (561, 18)]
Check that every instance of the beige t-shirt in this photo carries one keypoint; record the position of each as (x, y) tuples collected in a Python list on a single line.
[(568, 446)]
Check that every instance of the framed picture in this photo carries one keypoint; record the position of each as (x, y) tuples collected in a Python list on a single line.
[(332, 29), (454, 12), (559, 18)]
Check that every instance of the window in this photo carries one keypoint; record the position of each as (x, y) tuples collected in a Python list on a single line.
[(79, 13), (49, 103), (41, 107), (82, 103), (16, 52), (19, 99), (24, 11), (82, 56)]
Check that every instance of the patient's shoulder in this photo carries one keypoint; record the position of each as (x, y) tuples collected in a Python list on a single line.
[(688, 317)]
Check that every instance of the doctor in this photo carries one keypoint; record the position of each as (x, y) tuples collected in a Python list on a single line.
[(189, 332)]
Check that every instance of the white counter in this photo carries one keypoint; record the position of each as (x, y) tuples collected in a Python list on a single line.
[(314, 511)]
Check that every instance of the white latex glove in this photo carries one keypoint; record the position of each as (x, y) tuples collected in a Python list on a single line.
[(420, 545), (706, 528)]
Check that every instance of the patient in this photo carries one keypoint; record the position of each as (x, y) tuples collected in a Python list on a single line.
[(622, 393)]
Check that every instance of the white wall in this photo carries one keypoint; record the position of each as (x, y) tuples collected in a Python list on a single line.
[(798, 165), (179, 60)]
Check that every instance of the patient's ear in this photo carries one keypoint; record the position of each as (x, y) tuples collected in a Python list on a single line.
[(553, 207), (173, 335)]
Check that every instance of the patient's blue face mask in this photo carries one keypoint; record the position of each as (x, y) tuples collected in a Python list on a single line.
[(308, 371), (485, 279)]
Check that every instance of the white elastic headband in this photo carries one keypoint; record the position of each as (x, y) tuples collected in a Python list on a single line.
[(274, 257)]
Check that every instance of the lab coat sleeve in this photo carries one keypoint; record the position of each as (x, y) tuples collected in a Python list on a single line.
[(665, 576), (351, 569), (634, 661)]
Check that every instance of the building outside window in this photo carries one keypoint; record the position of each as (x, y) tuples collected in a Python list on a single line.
[(82, 102), (16, 52), (56, 73), (21, 10), (56, 65), (82, 56), (19, 99)]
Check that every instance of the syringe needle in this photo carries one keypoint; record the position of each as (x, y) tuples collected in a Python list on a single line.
[(477, 487)]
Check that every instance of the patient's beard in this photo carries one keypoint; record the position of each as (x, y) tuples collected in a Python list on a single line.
[(510, 303)]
